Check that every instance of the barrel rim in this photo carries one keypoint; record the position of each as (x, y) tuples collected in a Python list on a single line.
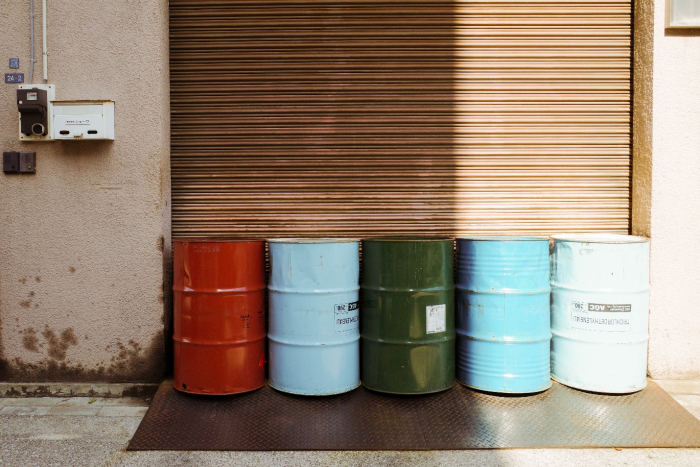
[(218, 240), (599, 238), (320, 240), (506, 238), (408, 239)]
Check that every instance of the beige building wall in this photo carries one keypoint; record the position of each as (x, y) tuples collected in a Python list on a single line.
[(81, 241), (666, 200)]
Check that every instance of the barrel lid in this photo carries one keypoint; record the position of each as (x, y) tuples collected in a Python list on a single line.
[(408, 239), (313, 240), (217, 240), (599, 238), (504, 238)]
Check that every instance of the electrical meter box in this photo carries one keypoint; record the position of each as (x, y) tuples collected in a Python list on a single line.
[(34, 103), (78, 120)]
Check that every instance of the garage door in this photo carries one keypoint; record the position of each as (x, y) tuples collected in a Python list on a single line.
[(365, 118)]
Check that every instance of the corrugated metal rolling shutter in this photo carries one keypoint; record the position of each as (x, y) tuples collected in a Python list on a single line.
[(363, 118)]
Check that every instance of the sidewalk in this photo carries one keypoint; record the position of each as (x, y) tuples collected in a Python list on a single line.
[(84, 431), (686, 393)]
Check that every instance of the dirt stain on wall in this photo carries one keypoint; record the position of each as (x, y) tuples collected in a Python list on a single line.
[(3, 363), (58, 346), (30, 341), (130, 362), (28, 302)]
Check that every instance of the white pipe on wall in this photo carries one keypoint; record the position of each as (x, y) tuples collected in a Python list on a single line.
[(31, 33), (46, 54)]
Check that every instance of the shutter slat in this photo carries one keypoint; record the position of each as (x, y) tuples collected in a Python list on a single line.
[(399, 117)]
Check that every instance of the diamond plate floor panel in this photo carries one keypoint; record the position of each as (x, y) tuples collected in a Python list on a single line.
[(460, 418)]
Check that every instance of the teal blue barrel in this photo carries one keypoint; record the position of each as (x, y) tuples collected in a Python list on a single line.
[(314, 328), (502, 314)]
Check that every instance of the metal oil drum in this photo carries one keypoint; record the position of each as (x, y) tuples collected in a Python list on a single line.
[(219, 315), (502, 313), (314, 334), (600, 311), (407, 320)]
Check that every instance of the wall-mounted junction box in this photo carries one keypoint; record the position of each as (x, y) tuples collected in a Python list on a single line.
[(19, 162), (34, 103), (77, 120)]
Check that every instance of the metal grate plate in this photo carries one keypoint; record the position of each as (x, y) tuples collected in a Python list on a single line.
[(461, 418)]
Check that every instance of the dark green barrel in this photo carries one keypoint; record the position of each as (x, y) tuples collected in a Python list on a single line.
[(407, 315)]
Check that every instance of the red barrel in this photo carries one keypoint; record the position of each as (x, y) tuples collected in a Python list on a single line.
[(219, 322)]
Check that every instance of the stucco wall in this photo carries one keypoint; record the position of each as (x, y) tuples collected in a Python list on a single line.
[(81, 242), (667, 186)]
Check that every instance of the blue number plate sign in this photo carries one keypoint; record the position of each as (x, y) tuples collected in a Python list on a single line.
[(14, 78)]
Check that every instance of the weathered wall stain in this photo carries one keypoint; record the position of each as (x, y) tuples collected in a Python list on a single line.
[(30, 341), (71, 269), (28, 302), (59, 346), (3, 362), (139, 390), (12, 392), (167, 316), (130, 362)]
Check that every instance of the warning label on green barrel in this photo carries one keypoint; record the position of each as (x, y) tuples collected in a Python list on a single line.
[(606, 317), (347, 317), (435, 319)]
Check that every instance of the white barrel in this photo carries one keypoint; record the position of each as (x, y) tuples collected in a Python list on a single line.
[(600, 312)]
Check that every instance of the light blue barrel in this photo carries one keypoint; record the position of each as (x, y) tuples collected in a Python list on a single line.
[(600, 312), (314, 316), (502, 314)]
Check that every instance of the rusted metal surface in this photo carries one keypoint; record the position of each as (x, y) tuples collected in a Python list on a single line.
[(219, 315), (460, 418), (361, 118)]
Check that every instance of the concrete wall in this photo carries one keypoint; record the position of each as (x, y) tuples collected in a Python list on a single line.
[(666, 199), (82, 242)]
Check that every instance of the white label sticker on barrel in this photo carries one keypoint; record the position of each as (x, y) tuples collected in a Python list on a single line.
[(606, 317), (347, 317), (435, 319)]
